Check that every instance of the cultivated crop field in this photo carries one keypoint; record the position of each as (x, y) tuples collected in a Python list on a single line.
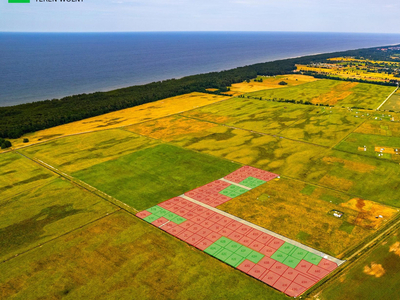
[(393, 103), (309, 176)]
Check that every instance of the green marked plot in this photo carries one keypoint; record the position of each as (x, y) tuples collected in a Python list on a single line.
[(252, 182), (234, 260), (223, 242), (223, 255), (233, 191), (157, 210), (255, 257), (312, 258), (291, 262), (233, 246), (151, 218), (279, 256), (170, 215), (178, 220), (213, 249), (243, 251), (286, 248), (299, 253)]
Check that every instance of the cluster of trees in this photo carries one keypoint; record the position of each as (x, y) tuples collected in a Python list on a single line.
[(20, 119), (4, 144)]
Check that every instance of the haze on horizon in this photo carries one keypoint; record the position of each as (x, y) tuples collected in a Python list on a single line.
[(364, 16)]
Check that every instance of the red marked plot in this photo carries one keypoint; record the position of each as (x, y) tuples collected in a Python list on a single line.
[(254, 233), (174, 209), (187, 224), (294, 290), (225, 221), (208, 214), (213, 236), (282, 284), (225, 231), (304, 281), (167, 204), (168, 226), (216, 227), (191, 206), (183, 202), (266, 262), (317, 271), (176, 201), (267, 251), (207, 223), (184, 235), (234, 225), (264, 238), (217, 217), (195, 228), (182, 211), (270, 278), (327, 265), (159, 222), (204, 244), (194, 239), (246, 266), (143, 214), (276, 243), (256, 246), (290, 274), (235, 236), (245, 241), (303, 266), (199, 210), (190, 215), (257, 271), (204, 232), (198, 219), (175, 230), (279, 268), (244, 229)]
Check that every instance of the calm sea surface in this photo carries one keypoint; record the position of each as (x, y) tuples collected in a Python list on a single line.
[(40, 66)]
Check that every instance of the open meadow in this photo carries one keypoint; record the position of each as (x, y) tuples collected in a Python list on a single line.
[(305, 213), (374, 277), (393, 103)]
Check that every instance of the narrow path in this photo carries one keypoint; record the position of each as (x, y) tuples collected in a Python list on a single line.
[(388, 97)]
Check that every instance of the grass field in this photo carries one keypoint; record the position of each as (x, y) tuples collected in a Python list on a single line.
[(79, 152), (147, 177), (125, 117), (121, 257), (45, 212), (355, 143), (375, 277), (18, 174), (382, 124), (332, 92), (283, 207), (393, 103), (320, 125)]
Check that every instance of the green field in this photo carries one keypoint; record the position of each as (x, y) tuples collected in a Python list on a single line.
[(44, 213), (354, 96), (18, 174), (150, 176), (122, 257), (393, 103), (79, 152), (320, 125), (375, 277)]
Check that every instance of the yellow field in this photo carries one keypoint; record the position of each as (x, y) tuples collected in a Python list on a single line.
[(388, 150), (171, 128), (363, 60), (269, 83), (333, 70), (338, 92), (124, 117)]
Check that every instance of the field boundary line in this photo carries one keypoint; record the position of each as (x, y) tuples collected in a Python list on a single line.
[(85, 186), (388, 97), (61, 235)]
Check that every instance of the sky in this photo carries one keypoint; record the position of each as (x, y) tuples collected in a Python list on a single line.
[(369, 16)]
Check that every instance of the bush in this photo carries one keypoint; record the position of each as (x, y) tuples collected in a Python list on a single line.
[(5, 144), (25, 141), (282, 83)]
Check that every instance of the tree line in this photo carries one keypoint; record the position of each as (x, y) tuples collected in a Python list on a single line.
[(20, 119)]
